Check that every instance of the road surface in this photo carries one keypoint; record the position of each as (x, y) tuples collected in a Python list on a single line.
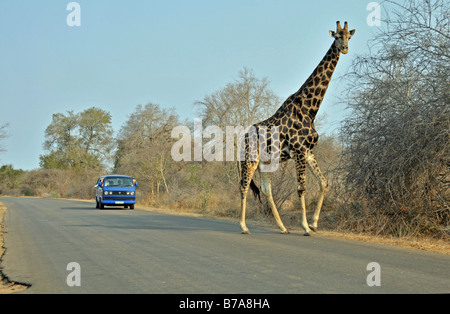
[(125, 251)]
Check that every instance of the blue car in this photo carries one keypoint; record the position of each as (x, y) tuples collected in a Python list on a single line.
[(115, 190)]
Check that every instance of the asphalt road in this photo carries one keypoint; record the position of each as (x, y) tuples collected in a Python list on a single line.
[(125, 251)]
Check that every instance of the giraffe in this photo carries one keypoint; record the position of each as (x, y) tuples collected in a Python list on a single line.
[(296, 136)]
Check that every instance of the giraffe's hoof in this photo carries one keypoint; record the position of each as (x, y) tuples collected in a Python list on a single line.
[(313, 228), (245, 232), (306, 234), (285, 231)]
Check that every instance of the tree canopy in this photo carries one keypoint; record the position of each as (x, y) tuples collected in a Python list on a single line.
[(78, 141)]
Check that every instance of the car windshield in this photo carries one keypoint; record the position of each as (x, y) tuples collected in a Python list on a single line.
[(119, 182)]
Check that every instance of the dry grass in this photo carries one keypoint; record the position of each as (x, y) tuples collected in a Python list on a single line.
[(423, 244), (328, 226)]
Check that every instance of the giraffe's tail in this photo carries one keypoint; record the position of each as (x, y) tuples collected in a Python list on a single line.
[(255, 190)]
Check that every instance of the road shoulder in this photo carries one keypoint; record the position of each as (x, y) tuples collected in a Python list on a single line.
[(6, 285)]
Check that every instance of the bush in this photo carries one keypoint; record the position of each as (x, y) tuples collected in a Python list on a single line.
[(396, 140)]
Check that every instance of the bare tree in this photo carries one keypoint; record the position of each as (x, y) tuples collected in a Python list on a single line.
[(241, 103), (144, 146), (397, 140)]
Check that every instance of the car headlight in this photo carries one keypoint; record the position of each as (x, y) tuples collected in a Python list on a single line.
[(130, 193)]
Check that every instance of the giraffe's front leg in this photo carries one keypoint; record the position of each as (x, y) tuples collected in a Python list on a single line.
[(312, 163), (304, 221)]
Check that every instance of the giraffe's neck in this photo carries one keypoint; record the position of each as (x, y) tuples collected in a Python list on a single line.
[(310, 95)]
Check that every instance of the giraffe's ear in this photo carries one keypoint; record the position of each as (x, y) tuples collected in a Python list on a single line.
[(332, 33), (352, 32)]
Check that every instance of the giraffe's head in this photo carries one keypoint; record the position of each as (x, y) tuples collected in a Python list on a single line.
[(341, 36)]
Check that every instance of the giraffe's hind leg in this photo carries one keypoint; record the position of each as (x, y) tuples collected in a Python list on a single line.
[(248, 169), (266, 189), (300, 166), (312, 163)]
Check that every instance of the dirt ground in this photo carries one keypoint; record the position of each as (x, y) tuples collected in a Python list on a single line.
[(6, 286)]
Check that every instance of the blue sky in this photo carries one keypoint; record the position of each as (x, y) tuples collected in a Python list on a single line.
[(172, 53)]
